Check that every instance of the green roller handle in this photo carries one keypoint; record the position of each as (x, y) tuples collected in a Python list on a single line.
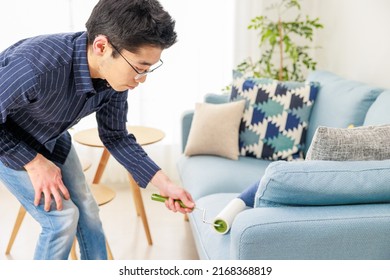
[(161, 198), (219, 225)]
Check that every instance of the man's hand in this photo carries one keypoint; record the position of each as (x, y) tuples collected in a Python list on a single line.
[(173, 192), (46, 179)]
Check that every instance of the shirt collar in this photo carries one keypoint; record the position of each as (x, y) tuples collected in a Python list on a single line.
[(82, 75)]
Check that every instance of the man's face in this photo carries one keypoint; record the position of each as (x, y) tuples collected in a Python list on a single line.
[(121, 72)]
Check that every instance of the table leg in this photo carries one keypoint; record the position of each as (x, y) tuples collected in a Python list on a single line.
[(73, 254), (102, 165), (139, 204), (18, 223), (96, 180), (109, 253)]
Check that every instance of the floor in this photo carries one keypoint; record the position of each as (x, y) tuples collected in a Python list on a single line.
[(171, 235)]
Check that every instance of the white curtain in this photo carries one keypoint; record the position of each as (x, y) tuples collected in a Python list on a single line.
[(246, 41)]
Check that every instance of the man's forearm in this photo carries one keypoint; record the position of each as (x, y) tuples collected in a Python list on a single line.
[(13, 152)]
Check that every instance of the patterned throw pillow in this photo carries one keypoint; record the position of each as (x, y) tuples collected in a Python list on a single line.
[(276, 116)]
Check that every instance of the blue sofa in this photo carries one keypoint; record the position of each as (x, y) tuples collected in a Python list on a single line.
[(358, 231)]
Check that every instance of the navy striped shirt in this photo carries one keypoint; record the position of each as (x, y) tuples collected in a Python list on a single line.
[(46, 88)]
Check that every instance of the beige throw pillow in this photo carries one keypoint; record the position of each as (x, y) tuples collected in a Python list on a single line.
[(215, 130)]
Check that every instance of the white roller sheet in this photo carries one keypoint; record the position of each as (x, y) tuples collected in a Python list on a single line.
[(223, 221)]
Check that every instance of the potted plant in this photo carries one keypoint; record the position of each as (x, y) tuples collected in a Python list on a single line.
[(284, 44)]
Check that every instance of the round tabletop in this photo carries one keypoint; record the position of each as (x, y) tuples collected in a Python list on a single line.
[(144, 135)]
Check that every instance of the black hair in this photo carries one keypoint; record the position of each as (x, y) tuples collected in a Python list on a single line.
[(132, 24)]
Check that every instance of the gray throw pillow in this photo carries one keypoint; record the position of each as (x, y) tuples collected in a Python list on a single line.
[(342, 144)]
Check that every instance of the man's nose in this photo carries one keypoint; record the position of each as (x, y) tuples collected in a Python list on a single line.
[(141, 79)]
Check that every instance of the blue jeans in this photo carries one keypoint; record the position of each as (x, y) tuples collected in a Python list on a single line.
[(79, 217)]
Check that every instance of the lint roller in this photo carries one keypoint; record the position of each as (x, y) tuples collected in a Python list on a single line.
[(243, 201), (216, 224), (226, 216)]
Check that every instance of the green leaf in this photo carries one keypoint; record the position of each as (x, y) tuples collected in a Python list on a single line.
[(296, 38)]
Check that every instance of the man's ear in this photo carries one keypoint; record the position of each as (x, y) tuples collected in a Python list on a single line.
[(100, 45)]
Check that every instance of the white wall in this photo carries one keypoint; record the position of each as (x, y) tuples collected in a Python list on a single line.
[(24, 18), (355, 41)]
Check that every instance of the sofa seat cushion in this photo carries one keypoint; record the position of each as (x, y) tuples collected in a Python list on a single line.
[(315, 182), (209, 243), (312, 232), (340, 102), (203, 175), (302, 233)]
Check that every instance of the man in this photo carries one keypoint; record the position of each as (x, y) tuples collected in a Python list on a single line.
[(47, 84)]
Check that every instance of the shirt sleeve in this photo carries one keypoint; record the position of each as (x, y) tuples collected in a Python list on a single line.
[(123, 146), (17, 82)]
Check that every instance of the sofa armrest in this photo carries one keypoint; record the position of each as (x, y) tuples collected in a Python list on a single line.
[(187, 116), (186, 121), (322, 232)]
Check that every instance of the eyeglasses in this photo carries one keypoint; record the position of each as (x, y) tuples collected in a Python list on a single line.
[(139, 74)]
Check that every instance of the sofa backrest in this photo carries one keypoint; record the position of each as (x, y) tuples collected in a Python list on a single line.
[(379, 112), (217, 98), (340, 102)]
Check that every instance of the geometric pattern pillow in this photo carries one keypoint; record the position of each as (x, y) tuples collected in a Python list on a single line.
[(275, 118)]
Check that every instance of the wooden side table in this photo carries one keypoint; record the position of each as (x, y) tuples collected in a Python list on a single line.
[(144, 136)]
